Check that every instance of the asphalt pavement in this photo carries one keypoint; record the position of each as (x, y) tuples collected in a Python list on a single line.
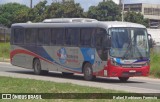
[(135, 84)]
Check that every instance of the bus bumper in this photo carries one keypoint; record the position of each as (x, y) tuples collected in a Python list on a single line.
[(118, 71)]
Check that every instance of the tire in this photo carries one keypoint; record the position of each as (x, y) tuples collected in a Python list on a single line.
[(88, 72), (37, 68), (67, 74), (123, 79)]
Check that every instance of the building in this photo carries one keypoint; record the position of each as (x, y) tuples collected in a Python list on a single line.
[(150, 11)]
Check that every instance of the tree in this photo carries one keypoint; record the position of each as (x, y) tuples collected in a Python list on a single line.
[(55, 10), (66, 9), (72, 9), (8, 12), (37, 13), (136, 18), (105, 11)]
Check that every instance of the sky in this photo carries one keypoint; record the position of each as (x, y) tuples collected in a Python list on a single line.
[(84, 3)]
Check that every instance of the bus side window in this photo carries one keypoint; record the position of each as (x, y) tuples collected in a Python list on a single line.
[(18, 36), (40, 37), (53, 37), (47, 36), (72, 36), (99, 36), (30, 36), (57, 36), (44, 36), (85, 36), (60, 36)]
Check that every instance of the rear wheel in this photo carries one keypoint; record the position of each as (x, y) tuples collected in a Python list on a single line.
[(123, 79), (37, 68), (88, 72)]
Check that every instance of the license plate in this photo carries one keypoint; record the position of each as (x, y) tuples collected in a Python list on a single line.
[(132, 71)]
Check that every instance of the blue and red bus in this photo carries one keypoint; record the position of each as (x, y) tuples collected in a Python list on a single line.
[(81, 45)]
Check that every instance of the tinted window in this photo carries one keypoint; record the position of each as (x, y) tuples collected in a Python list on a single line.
[(30, 36), (85, 36), (72, 36), (18, 36), (57, 36), (44, 36), (100, 37)]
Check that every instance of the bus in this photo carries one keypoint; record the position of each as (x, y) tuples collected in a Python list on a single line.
[(83, 46)]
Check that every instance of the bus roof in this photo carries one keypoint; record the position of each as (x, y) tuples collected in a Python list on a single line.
[(101, 24), (110, 24)]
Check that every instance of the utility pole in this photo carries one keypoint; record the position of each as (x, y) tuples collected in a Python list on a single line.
[(122, 3), (31, 4)]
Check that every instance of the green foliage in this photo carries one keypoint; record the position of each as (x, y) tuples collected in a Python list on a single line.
[(8, 13), (4, 50), (37, 14), (16, 85), (155, 68), (67, 10), (105, 11), (136, 18)]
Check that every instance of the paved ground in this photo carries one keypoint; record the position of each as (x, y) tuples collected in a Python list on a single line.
[(136, 84)]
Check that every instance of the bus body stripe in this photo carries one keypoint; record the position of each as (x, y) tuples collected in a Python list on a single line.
[(21, 51)]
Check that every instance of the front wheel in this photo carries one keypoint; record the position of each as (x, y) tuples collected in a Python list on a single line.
[(88, 72), (123, 79)]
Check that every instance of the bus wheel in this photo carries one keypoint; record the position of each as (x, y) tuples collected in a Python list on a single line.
[(37, 67), (123, 79), (88, 72)]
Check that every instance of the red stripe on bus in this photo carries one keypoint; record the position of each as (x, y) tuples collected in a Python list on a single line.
[(20, 51)]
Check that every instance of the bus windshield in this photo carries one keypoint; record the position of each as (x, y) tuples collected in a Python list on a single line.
[(129, 43)]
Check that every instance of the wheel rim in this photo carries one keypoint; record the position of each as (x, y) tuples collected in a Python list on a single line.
[(88, 72), (37, 67)]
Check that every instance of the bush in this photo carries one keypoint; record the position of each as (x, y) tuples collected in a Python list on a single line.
[(4, 50), (155, 65)]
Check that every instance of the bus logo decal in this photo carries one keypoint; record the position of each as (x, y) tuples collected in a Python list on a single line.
[(62, 54)]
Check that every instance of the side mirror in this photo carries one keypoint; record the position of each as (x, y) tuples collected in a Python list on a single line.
[(150, 41)]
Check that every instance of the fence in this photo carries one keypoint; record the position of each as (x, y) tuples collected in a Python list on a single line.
[(4, 34), (4, 45)]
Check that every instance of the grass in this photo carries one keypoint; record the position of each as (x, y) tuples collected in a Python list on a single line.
[(155, 65), (17, 85), (4, 50)]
